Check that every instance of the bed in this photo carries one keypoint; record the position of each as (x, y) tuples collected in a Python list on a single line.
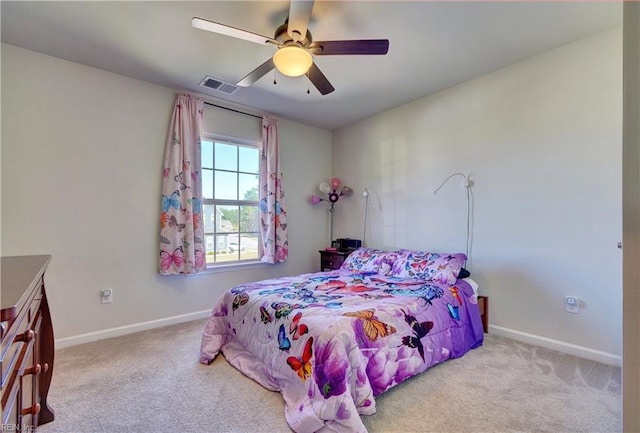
[(331, 342)]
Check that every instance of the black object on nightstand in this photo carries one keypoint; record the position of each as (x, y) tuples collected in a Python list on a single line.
[(332, 260)]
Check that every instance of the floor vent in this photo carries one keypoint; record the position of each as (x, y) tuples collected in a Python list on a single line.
[(219, 85)]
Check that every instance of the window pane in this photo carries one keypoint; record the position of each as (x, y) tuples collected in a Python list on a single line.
[(207, 183), (249, 219), (209, 221), (226, 185), (228, 219), (207, 154), (210, 248), (248, 186), (249, 159), (226, 156), (248, 246), (234, 245), (222, 248)]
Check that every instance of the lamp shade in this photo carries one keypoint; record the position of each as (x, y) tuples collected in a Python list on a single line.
[(324, 187), (292, 60), (315, 199), (335, 183), (346, 191)]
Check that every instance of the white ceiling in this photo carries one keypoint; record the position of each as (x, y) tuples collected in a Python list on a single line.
[(433, 45)]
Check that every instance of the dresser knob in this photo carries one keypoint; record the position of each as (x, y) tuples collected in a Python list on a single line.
[(45, 367), (34, 410), (27, 336), (35, 370)]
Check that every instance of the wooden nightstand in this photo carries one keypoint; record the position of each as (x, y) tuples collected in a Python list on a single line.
[(332, 260), (483, 304)]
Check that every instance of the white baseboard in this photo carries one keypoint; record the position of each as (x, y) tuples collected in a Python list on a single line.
[(129, 329), (560, 346)]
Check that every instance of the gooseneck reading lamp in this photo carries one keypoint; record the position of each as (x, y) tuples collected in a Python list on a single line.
[(467, 184), (333, 193)]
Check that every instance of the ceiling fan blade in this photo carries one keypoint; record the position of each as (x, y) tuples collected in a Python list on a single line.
[(319, 80), (223, 29), (299, 17), (362, 46), (257, 73)]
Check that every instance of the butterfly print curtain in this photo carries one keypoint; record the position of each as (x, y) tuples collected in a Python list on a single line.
[(181, 231), (273, 215)]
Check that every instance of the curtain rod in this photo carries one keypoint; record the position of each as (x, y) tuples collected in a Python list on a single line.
[(231, 109)]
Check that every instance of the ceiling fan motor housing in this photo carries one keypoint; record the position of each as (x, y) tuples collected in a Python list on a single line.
[(282, 36)]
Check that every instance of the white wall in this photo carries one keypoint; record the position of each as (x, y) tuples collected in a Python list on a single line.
[(82, 153), (541, 140)]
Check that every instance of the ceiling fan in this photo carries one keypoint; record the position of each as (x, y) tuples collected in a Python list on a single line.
[(296, 48)]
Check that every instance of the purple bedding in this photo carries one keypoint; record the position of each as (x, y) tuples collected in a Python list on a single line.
[(331, 342)]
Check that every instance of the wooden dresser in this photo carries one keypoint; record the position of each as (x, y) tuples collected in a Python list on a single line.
[(27, 347)]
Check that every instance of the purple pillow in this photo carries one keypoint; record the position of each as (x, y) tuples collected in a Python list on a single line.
[(423, 265), (370, 260)]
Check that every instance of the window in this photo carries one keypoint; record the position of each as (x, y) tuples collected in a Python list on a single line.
[(230, 196)]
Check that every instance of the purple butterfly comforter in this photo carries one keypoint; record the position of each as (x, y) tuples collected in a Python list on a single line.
[(331, 342)]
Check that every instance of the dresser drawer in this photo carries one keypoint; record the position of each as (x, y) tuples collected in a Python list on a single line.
[(24, 358), (332, 262), (28, 374), (10, 406), (19, 331)]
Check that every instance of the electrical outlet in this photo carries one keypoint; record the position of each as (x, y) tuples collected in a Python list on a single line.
[(106, 296), (572, 304)]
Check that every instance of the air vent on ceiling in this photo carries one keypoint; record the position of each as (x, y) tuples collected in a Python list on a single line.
[(219, 85)]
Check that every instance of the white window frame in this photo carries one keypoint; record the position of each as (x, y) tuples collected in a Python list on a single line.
[(240, 142)]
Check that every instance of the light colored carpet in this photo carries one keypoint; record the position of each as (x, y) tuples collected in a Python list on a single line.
[(152, 382)]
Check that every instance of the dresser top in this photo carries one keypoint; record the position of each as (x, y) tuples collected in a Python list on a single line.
[(18, 275)]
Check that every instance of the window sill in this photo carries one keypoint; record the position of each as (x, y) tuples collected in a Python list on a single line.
[(231, 267)]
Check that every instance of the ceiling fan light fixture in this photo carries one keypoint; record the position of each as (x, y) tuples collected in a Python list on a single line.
[(292, 61)]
